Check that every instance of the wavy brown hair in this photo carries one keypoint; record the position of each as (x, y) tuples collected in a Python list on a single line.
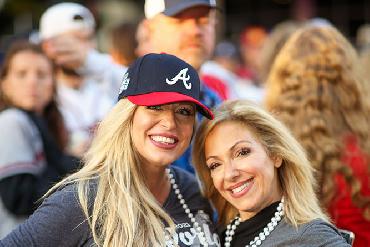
[(315, 87)]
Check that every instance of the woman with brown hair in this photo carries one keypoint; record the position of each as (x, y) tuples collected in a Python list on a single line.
[(32, 133), (315, 87)]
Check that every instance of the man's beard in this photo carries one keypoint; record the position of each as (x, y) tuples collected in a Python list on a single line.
[(70, 72)]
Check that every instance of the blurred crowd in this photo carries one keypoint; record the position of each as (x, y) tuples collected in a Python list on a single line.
[(54, 92)]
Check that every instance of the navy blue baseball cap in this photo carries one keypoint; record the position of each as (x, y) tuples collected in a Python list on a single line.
[(173, 7), (157, 79)]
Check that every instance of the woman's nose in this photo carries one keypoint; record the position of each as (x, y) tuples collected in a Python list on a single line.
[(230, 172), (168, 119), (32, 78)]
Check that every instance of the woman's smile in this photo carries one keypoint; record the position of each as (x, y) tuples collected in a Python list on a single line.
[(242, 188), (164, 141)]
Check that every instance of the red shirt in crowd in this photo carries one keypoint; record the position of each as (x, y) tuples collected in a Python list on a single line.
[(345, 214)]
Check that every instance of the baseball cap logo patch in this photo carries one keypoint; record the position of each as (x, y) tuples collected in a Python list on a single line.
[(181, 76), (125, 83)]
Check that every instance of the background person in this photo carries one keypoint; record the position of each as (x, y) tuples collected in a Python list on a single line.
[(123, 43), (123, 196), (32, 134), (84, 99), (273, 44), (142, 38), (220, 75), (251, 42), (316, 87), (258, 178)]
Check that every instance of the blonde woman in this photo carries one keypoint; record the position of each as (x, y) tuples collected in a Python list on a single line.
[(258, 178), (317, 89), (125, 195)]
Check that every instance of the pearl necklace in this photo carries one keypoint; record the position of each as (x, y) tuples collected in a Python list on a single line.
[(230, 229), (196, 225)]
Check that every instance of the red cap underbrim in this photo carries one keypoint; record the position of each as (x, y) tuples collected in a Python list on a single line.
[(161, 98)]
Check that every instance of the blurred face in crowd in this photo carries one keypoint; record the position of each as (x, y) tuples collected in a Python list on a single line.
[(82, 37), (241, 170), (143, 41), (85, 36), (162, 133), (29, 81), (58, 48), (189, 35)]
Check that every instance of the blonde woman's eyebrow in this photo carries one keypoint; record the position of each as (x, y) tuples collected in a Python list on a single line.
[(239, 142), (229, 149)]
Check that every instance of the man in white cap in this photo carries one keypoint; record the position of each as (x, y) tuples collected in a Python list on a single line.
[(83, 100)]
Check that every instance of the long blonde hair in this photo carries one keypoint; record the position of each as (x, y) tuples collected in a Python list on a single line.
[(315, 87), (123, 212), (295, 173)]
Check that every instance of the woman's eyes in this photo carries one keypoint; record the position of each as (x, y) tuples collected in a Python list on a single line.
[(20, 73), (42, 75), (186, 111), (213, 165), (240, 153), (154, 107), (243, 152)]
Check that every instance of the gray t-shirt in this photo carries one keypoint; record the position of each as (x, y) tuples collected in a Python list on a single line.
[(21, 149), (59, 221), (313, 234), (21, 152)]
